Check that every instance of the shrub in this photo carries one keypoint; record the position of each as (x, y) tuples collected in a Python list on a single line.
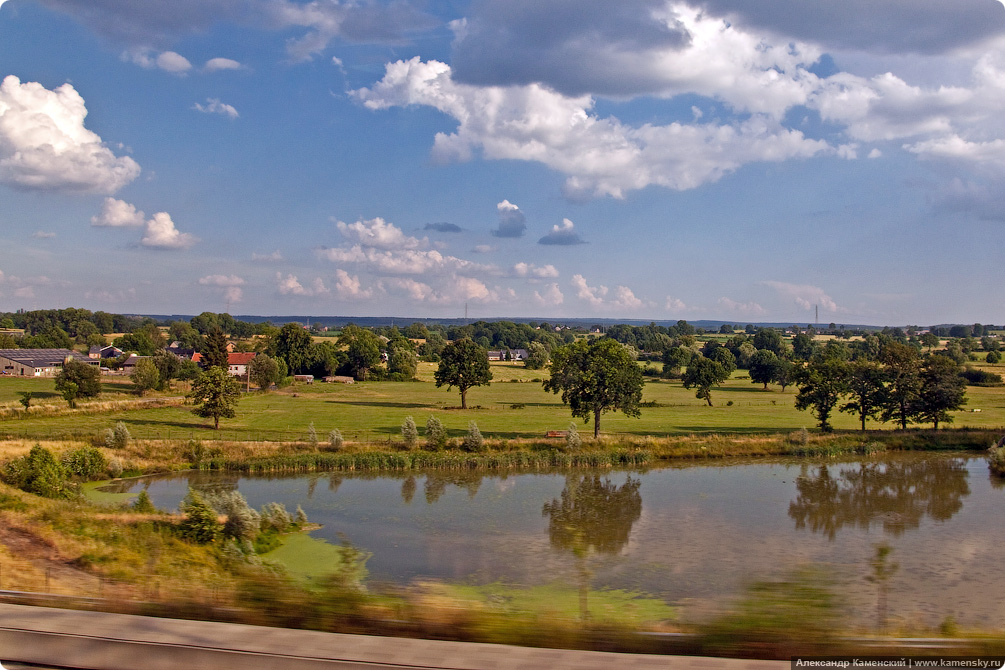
[(120, 436), (409, 433), (992, 357), (335, 439), (243, 522), (38, 472), (436, 435), (275, 517), (143, 504), (301, 517), (114, 468), (800, 437), (105, 438), (572, 439), (977, 377), (200, 524), (473, 441), (312, 436), (86, 463)]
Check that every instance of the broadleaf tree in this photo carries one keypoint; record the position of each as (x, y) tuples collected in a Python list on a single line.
[(595, 377), (216, 394), (702, 374), (463, 364)]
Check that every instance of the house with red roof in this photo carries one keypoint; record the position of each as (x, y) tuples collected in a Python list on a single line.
[(237, 361)]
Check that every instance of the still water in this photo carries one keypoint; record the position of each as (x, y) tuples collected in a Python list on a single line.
[(694, 535)]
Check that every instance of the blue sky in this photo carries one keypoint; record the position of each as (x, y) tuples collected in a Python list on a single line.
[(707, 159)]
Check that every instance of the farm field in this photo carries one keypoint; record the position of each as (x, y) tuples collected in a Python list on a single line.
[(513, 406)]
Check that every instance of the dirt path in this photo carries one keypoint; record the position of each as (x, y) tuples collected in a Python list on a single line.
[(32, 563)]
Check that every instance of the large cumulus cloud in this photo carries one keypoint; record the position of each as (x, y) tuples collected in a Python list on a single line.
[(45, 146)]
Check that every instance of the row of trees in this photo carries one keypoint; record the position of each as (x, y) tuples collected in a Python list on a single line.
[(900, 385), (600, 375)]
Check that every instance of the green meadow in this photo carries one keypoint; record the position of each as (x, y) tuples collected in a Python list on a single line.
[(513, 406)]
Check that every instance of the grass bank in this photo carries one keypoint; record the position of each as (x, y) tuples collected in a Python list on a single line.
[(144, 456)]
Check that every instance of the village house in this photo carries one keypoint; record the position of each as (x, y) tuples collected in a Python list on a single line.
[(237, 362)]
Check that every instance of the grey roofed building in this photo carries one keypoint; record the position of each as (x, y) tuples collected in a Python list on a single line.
[(38, 362)]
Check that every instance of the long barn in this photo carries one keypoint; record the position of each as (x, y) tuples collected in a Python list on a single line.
[(38, 362)]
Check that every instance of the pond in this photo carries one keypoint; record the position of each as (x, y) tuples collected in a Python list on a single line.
[(693, 534)]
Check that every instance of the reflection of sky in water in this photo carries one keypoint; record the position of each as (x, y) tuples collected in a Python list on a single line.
[(704, 531)]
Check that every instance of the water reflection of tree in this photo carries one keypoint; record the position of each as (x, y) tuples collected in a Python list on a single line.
[(592, 514), (437, 482), (897, 494), (408, 489)]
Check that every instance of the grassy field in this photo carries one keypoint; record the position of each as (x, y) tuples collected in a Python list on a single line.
[(513, 406)]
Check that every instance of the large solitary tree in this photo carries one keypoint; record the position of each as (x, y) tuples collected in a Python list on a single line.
[(595, 377), (463, 364), (216, 394), (87, 378)]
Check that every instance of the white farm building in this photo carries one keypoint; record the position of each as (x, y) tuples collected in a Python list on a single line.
[(38, 362)]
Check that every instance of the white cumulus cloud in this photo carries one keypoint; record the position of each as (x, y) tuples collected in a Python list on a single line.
[(599, 155), (550, 296), (379, 234), (290, 285), (512, 222), (534, 271), (349, 287), (117, 214), (172, 62), (214, 106), (161, 233), (219, 64), (564, 235), (44, 144)]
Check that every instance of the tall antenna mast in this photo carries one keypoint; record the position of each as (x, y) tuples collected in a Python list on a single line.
[(816, 309), (465, 313)]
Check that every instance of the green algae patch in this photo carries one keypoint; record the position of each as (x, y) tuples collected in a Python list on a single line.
[(92, 493), (308, 558)]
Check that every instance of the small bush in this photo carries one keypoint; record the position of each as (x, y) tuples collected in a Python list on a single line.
[(120, 436), (409, 433), (200, 524), (335, 440), (301, 517), (312, 436), (114, 468), (86, 463), (473, 441), (243, 522), (105, 438), (799, 437), (143, 504), (436, 435), (275, 517), (38, 472), (572, 439), (993, 357)]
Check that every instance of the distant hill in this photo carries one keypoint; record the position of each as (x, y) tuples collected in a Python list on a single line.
[(374, 321)]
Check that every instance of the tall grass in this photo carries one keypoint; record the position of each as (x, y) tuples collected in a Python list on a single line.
[(449, 460), (96, 407)]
